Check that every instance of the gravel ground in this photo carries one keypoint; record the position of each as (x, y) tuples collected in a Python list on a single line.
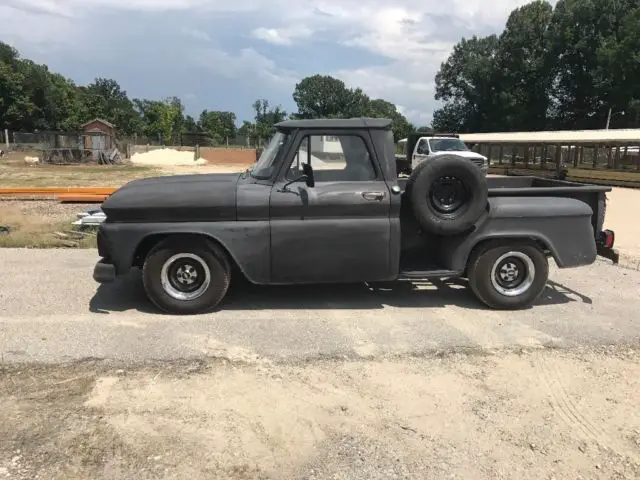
[(53, 311), (46, 210), (541, 414)]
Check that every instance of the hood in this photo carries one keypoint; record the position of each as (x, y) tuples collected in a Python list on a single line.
[(464, 153), (177, 198)]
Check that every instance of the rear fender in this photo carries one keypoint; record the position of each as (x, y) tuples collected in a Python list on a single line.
[(562, 226)]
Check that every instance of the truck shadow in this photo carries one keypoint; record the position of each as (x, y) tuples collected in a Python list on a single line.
[(127, 293)]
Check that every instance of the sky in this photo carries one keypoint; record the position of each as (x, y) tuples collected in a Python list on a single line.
[(223, 55)]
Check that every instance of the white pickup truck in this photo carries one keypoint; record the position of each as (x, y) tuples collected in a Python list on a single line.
[(419, 147)]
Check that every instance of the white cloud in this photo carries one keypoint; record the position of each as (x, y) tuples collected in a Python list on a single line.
[(45, 7), (196, 34), (412, 37), (247, 63), (282, 36), (37, 28)]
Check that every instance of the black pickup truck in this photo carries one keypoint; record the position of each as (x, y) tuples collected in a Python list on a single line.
[(324, 204)]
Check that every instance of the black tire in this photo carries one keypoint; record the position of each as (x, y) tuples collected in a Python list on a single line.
[(465, 183), (486, 283), (202, 257)]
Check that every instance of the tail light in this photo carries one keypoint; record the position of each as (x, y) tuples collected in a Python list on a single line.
[(607, 238)]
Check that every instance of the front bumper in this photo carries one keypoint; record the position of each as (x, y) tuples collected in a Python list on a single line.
[(104, 272), (604, 243)]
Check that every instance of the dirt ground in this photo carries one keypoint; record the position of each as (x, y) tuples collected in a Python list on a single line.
[(540, 414), (229, 156), (16, 174), (621, 203)]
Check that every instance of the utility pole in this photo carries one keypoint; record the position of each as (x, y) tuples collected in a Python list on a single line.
[(611, 115)]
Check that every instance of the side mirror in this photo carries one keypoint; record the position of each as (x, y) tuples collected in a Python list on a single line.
[(308, 175)]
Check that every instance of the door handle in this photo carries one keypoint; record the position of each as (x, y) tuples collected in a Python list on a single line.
[(373, 195)]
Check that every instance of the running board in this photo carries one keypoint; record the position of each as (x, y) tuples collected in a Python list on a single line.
[(423, 274)]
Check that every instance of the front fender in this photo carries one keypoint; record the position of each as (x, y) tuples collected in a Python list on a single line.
[(246, 242), (561, 225)]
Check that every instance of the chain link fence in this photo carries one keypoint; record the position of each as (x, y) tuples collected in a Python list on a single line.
[(68, 147), (191, 140)]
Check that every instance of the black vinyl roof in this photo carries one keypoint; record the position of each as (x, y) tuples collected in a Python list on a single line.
[(342, 123)]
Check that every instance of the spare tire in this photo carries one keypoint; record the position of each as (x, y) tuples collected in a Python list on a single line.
[(448, 194)]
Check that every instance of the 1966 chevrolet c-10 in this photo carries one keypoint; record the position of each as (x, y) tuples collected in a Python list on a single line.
[(324, 204)]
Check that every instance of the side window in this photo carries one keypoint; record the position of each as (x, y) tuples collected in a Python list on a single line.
[(343, 158), (423, 147)]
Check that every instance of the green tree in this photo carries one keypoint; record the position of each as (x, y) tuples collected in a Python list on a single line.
[(468, 80), (588, 42), (247, 131), (561, 67), (16, 107), (451, 118), (322, 96), (219, 126), (380, 108), (524, 69), (190, 125), (161, 119), (104, 98), (619, 66), (265, 119), (65, 107)]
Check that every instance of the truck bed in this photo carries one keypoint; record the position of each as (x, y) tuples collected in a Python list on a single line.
[(422, 255), (533, 186), (592, 195)]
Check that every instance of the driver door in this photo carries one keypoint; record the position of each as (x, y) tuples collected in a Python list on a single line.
[(339, 229)]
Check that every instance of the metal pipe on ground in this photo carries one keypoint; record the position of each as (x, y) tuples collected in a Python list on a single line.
[(57, 190)]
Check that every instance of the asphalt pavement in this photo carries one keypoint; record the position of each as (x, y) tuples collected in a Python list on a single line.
[(52, 311)]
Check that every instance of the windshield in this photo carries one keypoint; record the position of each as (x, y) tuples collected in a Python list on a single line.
[(447, 145), (263, 168)]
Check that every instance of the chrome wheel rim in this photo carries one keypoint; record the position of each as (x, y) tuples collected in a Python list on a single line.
[(185, 276), (513, 274)]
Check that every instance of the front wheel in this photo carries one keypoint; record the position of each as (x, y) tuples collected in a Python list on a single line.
[(507, 275), (186, 277)]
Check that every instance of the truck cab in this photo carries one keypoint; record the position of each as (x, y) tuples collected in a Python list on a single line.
[(324, 204), (420, 147)]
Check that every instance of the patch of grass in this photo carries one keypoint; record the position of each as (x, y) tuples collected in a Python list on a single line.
[(44, 236), (32, 231)]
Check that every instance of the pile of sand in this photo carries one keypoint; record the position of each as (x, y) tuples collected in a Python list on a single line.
[(166, 156)]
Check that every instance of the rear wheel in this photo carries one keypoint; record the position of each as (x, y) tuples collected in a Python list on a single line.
[(508, 275), (186, 276)]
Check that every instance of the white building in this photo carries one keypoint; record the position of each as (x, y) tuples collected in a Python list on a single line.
[(325, 144)]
